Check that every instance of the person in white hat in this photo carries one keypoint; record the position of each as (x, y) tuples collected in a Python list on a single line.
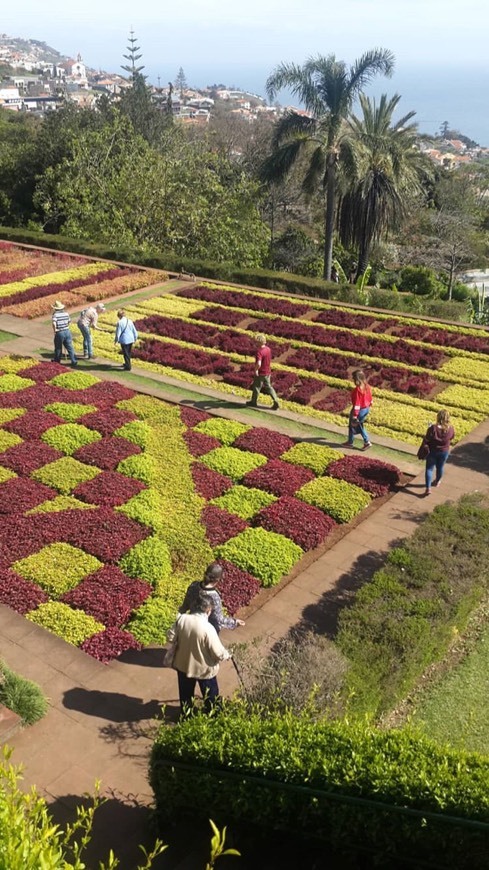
[(86, 322), (62, 333)]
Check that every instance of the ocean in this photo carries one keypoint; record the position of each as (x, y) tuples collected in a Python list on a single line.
[(437, 94)]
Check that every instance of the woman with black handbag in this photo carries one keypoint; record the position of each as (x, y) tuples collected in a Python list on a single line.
[(438, 439)]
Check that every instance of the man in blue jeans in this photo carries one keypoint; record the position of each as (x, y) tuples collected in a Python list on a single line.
[(125, 335), (62, 333)]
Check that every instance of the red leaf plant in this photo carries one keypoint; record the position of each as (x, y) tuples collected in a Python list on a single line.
[(109, 644), (372, 475), (26, 457), (20, 494), (104, 394), (259, 440), (102, 532), (107, 453), (221, 525), (249, 301), (43, 371), (34, 398), (109, 488), (278, 477), (335, 401), (237, 588), (108, 595), (19, 594), (107, 420), (209, 483), (192, 416), (303, 523), (32, 424), (221, 316), (199, 443)]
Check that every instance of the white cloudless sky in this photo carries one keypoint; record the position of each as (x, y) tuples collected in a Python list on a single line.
[(441, 46)]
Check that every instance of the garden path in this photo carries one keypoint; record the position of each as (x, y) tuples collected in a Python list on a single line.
[(101, 717)]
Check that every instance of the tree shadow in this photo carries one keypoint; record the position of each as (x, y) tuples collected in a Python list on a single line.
[(122, 823), (322, 617), (473, 456), (113, 706)]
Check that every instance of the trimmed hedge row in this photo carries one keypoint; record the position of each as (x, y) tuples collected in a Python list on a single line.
[(278, 281), (232, 758), (405, 618)]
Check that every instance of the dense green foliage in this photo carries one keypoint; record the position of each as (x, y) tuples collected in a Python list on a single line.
[(405, 618), (242, 765), (22, 696)]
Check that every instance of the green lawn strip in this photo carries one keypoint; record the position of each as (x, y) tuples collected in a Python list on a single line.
[(7, 336), (454, 710)]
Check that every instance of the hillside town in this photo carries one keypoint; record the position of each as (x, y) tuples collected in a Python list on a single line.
[(36, 78)]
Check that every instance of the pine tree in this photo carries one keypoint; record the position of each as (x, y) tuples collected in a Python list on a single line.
[(132, 57), (181, 82)]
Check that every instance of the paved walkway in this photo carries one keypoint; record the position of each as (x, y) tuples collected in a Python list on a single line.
[(100, 722)]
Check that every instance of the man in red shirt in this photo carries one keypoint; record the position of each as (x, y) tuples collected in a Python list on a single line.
[(262, 374)]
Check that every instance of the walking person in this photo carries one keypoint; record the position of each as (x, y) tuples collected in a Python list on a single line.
[(86, 322), (263, 372), (361, 400), (62, 333), (198, 654), (125, 335), (212, 577), (438, 438)]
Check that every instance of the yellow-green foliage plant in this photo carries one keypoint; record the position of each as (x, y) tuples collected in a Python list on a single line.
[(74, 626), (337, 498)]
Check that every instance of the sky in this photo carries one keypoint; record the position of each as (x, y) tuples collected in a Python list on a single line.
[(441, 46)]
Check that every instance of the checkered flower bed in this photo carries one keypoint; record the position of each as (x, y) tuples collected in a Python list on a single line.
[(205, 336), (112, 502), (30, 281)]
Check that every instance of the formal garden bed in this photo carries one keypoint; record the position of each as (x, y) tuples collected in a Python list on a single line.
[(205, 335), (31, 280), (112, 502)]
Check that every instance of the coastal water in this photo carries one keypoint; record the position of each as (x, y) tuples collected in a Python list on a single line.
[(459, 96)]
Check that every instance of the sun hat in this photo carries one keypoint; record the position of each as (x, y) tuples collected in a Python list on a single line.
[(58, 306), (100, 306)]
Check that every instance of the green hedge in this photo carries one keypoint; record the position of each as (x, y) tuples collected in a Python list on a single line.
[(405, 618), (230, 757), (22, 696)]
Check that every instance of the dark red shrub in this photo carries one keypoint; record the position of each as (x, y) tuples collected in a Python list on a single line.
[(336, 401), (108, 644), (237, 588), (32, 424), (107, 420), (372, 475), (303, 523), (43, 371), (107, 453), (222, 316), (109, 488), (192, 416), (26, 457), (249, 301), (108, 595), (209, 483), (102, 532), (33, 398), (19, 594), (221, 525), (259, 440), (199, 443), (102, 395), (20, 494), (278, 477)]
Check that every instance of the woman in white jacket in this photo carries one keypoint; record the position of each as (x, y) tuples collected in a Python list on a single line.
[(198, 654)]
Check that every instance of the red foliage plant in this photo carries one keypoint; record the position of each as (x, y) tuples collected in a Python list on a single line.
[(237, 588), (260, 440), (278, 477), (109, 488), (222, 316), (27, 456), (335, 401), (249, 301), (107, 420), (19, 594), (102, 532), (109, 644), (20, 494), (209, 483), (43, 371), (192, 416), (199, 443), (107, 453), (108, 595), (303, 523), (221, 525), (372, 475)]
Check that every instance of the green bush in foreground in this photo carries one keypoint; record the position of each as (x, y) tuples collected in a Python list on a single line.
[(404, 619), (394, 768), (22, 696)]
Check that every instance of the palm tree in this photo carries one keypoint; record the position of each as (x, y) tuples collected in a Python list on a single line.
[(382, 171), (327, 88)]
